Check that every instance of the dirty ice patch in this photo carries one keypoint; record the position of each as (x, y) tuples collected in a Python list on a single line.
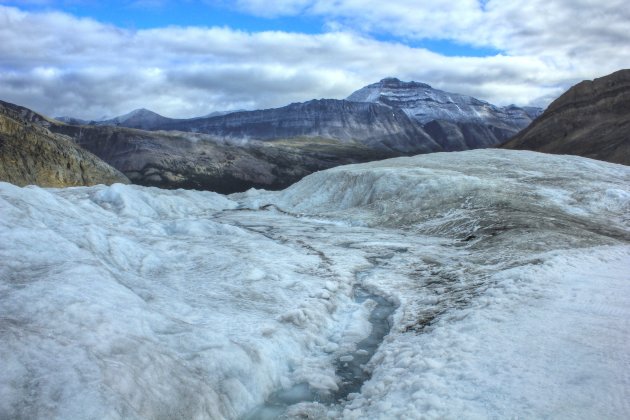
[(549, 340), (458, 192)]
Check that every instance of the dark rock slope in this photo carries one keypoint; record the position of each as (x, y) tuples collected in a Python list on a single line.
[(592, 119), (31, 154), (172, 159)]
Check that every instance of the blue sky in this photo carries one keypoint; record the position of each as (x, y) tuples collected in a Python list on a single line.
[(145, 15), (161, 13), (93, 59)]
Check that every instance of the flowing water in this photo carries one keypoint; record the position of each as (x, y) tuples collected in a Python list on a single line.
[(350, 368)]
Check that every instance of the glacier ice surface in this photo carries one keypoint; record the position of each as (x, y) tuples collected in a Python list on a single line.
[(508, 271)]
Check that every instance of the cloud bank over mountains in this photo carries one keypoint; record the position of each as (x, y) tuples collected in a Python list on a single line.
[(61, 64)]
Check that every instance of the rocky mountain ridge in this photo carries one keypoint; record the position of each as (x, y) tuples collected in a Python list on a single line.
[(273, 148), (31, 154), (173, 159), (142, 119), (591, 119), (424, 104), (403, 117), (371, 125)]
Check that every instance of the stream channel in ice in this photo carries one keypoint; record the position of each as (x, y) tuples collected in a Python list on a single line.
[(349, 368)]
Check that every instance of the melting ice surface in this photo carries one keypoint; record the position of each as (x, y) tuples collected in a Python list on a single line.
[(507, 275), (349, 368)]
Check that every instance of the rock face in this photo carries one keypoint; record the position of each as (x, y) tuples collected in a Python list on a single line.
[(31, 154), (454, 121), (592, 119)]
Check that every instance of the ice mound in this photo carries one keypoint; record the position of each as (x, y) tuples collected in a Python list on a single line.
[(459, 193)]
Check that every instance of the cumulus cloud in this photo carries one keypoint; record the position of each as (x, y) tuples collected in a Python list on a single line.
[(59, 64), (532, 26), (582, 35)]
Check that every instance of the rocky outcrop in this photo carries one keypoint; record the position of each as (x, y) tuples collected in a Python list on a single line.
[(31, 154), (592, 119), (454, 121)]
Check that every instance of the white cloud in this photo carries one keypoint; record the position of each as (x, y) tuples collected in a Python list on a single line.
[(513, 26), (62, 65), (578, 34)]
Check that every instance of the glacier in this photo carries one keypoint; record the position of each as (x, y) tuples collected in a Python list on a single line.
[(507, 272)]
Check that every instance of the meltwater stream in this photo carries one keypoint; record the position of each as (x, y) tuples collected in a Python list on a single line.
[(349, 367)]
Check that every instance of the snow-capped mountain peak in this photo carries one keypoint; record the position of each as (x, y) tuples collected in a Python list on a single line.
[(424, 103)]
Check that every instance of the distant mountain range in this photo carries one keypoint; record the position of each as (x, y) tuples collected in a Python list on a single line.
[(591, 119), (391, 115), (142, 119), (274, 148)]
